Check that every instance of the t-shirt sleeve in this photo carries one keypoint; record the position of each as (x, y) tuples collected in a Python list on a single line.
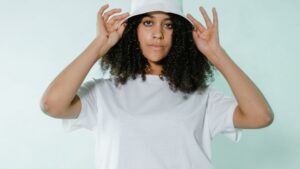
[(88, 115), (220, 109)]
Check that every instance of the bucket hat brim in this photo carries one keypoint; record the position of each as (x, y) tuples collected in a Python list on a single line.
[(139, 7)]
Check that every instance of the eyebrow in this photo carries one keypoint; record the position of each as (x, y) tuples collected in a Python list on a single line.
[(151, 16)]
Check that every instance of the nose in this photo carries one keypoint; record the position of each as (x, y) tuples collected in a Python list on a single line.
[(158, 32)]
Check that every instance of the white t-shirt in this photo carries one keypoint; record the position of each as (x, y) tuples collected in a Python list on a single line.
[(145, 125)]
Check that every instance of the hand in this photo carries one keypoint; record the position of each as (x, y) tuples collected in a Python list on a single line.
[(206, 39), (110, 30)]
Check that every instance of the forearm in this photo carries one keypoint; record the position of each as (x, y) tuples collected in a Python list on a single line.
[(251, 101), (63, 88)]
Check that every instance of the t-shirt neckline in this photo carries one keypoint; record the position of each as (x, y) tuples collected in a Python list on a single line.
[(151, 78)]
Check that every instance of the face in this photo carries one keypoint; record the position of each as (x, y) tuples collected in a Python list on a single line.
[(155, 36)]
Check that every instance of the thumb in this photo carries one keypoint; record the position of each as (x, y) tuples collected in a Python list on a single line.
[(195, 34), (121, 29)]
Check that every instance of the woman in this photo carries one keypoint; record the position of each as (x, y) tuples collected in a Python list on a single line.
[(156, 111)]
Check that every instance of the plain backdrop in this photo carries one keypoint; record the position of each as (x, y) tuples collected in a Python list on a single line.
[(39, 38)]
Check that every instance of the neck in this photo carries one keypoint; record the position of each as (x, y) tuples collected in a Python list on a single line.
[(154, 69)]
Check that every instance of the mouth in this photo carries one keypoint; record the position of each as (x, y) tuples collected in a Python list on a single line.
[(156, 47)]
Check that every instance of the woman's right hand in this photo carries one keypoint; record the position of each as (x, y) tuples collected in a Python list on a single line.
[(110, 30)]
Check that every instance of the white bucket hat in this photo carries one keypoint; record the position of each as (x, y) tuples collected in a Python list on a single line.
[(144, 6)]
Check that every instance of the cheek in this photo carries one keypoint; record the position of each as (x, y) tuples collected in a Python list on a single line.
[(170, 36), (169, 39), (143, 37)]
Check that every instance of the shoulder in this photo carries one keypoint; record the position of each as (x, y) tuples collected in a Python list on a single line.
[(97, 82), (206, 91), (92, 85), (212, 94)]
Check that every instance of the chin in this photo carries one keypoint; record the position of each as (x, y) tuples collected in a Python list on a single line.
[(157, 60), (155, 56), (154, 59)]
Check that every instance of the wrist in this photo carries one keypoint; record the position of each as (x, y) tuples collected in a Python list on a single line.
[(223, 61), (216, 54), (101, 46)]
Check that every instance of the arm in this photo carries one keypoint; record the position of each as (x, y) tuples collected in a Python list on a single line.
[(60, 99), (253, 111), (62, 90)]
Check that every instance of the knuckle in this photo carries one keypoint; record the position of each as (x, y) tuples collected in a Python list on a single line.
[(104, 16), (114, 17)]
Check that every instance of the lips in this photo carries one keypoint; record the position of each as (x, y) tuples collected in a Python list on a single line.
[(156, 47)]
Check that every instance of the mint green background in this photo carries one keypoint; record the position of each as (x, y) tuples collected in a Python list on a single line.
[(39, 38)]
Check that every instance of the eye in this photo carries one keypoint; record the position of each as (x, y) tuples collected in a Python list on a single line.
[(147, 23), (169, 25)]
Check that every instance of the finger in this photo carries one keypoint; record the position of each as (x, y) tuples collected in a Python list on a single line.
[(195, 35), (116, 20), (197, 24), (109, 13), (121, 29), (205, 16), (102, 9), (215, 18), (123, 19), (197, 32)]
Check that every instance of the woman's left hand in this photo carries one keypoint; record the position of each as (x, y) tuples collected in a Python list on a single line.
[(207, 39)]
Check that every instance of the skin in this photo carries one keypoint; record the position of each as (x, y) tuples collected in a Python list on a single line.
[(155, 38), (109, 28), (253, 110), (60, 99)]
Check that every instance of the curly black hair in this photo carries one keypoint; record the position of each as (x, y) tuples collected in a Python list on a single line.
[(185, 67)]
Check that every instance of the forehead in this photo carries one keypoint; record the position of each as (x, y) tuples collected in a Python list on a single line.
[(158, 15)]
